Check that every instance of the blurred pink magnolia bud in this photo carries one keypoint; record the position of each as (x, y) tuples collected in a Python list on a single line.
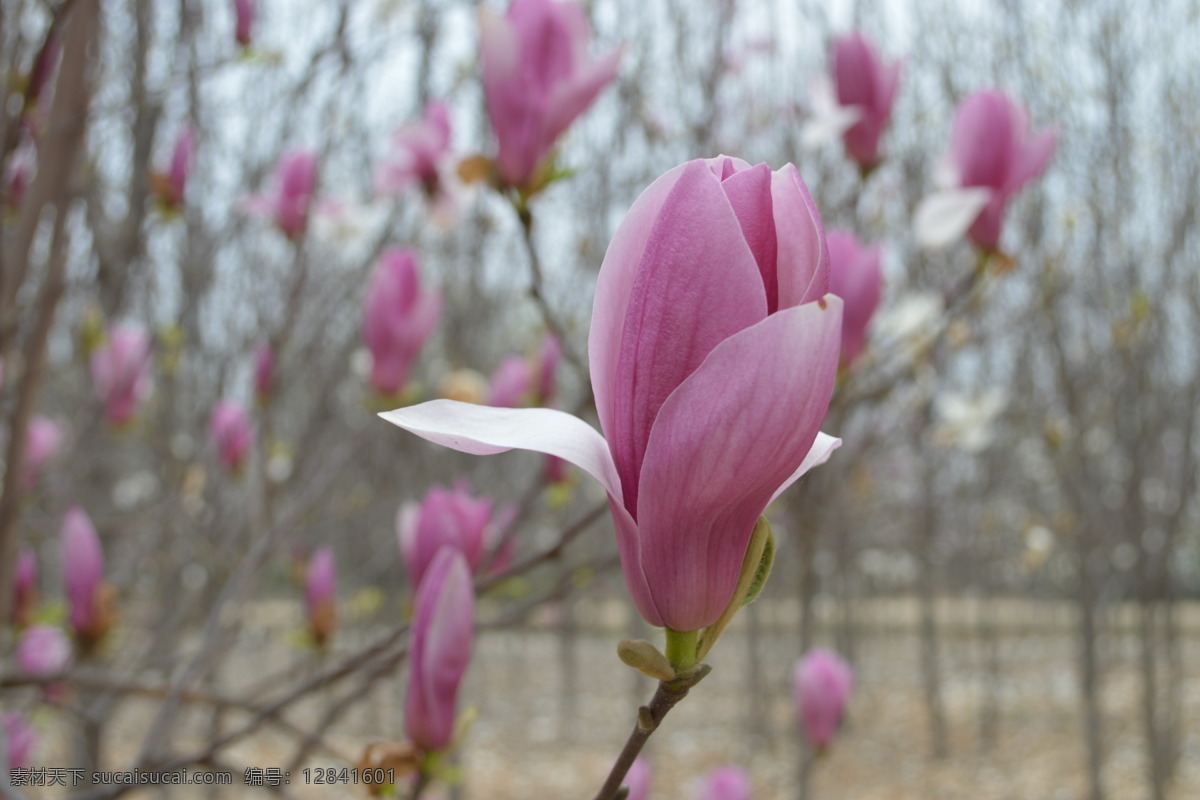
[(863, 82), (290, 199), (510, 383), (821, 686), (555, 470), (171, 184), (537, 78), (43, 650), (232, 433), (17, 175), (725, 783), (549, 357), (44, 64), (24, 588), (264, 373), (442, 631), (83, 570), (638, 780), (42, 439), (419, 153), (855, 276), (121, 371), (244, 12), (20, 738), (398, 316), (320, 595), (451, 518), (992, 156), (713, 352)]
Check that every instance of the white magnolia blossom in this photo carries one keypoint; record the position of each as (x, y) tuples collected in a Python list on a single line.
[(966, 420)]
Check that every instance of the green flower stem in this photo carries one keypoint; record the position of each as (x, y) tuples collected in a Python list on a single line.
[(681, 649)]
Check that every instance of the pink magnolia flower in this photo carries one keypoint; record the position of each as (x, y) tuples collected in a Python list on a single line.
[(442, 631), (821, 686), (713, 353), (121, 371), (24, 587), (21, 738), (83, 569), (42, 440), (419, 153), (537, 79), (863, 82), (290, 201), (453, 518), (638, 780), (510, 383), (856, 277), (398, 317), (244, 12), (264, 373), (992, 156), (320, 594), (725, 783), (232, 432), (171, 183), (43, 650)]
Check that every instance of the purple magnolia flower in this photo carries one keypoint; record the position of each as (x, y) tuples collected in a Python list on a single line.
[(419, 153), (856, 277), (83, 572), (864, 83), (290, 201), (43, 650), (992, 156), (21, 738), (638, 780), (264, 373), (232, 433), (398, 317), (713, 351), (821, 686), (452, 518), (121, 371), (24, 587), (244, 12), (537, 79), (442, 631), (320, 594), (725, 783), (42, 439), (171, 184)]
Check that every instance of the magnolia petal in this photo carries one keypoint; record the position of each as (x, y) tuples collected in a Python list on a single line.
[(697, 285), (1031, 159), (803, 263), (723, 443), (483, 430), (818, 454), (571, 98), (944, 217), (830, 119), (613, 286), (749, 192)]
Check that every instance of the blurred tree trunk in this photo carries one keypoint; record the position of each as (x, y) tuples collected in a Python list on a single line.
[(926, 520)]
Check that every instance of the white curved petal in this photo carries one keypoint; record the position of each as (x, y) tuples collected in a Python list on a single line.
[(483, 430), (944, 217)]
